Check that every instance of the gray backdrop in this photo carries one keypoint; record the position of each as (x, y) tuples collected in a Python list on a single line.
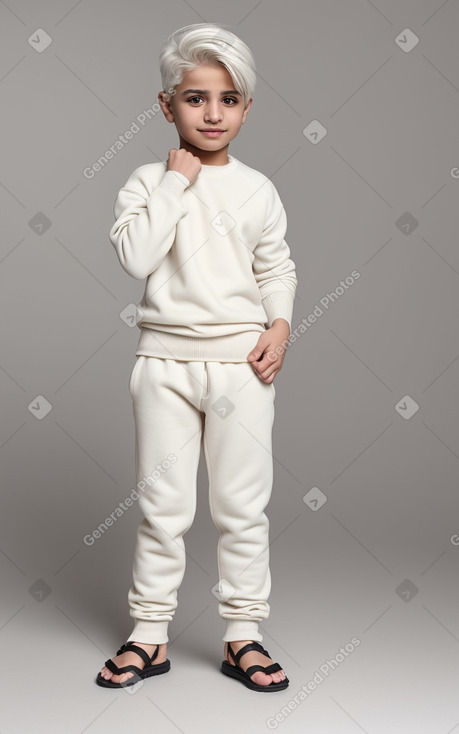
[(355, 120)]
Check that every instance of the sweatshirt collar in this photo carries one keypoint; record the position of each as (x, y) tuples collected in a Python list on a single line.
[(217, 171)]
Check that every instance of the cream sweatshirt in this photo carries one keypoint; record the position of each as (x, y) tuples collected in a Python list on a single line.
[(217, 265)]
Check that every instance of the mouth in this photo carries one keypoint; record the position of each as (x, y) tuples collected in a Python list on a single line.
[(212, 132)]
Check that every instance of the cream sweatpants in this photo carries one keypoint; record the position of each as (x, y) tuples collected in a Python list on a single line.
[(180, 406)]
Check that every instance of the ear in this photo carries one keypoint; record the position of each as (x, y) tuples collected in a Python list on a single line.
[(246, 109), (166, 105)]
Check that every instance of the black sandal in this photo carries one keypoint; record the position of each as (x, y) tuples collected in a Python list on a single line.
[(147, 671), (235, 671)]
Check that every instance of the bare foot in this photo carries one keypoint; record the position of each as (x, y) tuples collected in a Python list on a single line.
[(252, 657), (131, 658)]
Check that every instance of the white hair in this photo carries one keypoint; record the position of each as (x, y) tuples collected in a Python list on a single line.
[(199, 43)]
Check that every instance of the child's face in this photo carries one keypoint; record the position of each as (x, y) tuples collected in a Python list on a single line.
[(217, 106)]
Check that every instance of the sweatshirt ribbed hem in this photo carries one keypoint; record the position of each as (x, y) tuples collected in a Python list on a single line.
[(231, 348)]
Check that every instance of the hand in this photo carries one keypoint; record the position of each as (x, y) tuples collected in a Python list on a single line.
[(184, 162), (268, 355)]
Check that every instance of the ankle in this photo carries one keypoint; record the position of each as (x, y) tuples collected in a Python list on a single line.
[(238, 643)]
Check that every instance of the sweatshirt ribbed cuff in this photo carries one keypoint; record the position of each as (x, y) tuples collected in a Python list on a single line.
[(174, 182), (152, 632), (241, 629), (278, 305)]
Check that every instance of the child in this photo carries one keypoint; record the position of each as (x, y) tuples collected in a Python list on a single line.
[(207, 232)]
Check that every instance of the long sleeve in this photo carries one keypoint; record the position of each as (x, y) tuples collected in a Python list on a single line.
[(146, 221), (273, 269)]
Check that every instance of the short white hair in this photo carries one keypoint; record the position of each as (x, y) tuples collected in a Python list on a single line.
[(188, 47)]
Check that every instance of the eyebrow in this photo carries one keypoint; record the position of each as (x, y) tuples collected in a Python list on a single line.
[(206, 91)]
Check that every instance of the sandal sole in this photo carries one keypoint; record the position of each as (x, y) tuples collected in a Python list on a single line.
[(235, 672)]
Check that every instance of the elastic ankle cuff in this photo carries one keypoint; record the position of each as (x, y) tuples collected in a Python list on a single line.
[(151, 633), (242, 629)]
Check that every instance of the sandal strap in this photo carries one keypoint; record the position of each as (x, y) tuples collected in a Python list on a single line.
[(268, 669), (126, 669), (250, 646), (131, 647)]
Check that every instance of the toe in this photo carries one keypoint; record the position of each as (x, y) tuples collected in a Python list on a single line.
[(108, 675), (261, 678), (123, 677), (264, 679)]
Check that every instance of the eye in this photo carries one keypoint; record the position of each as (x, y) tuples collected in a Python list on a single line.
[(197, 98)]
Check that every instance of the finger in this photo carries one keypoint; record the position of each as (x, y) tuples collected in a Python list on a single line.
[(267, 375), (270, 378), (266, 366), (271, 370)]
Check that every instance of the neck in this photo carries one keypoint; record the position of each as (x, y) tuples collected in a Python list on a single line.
[(208, 157)]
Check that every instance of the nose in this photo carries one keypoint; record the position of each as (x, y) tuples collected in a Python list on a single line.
[(213, 112)]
